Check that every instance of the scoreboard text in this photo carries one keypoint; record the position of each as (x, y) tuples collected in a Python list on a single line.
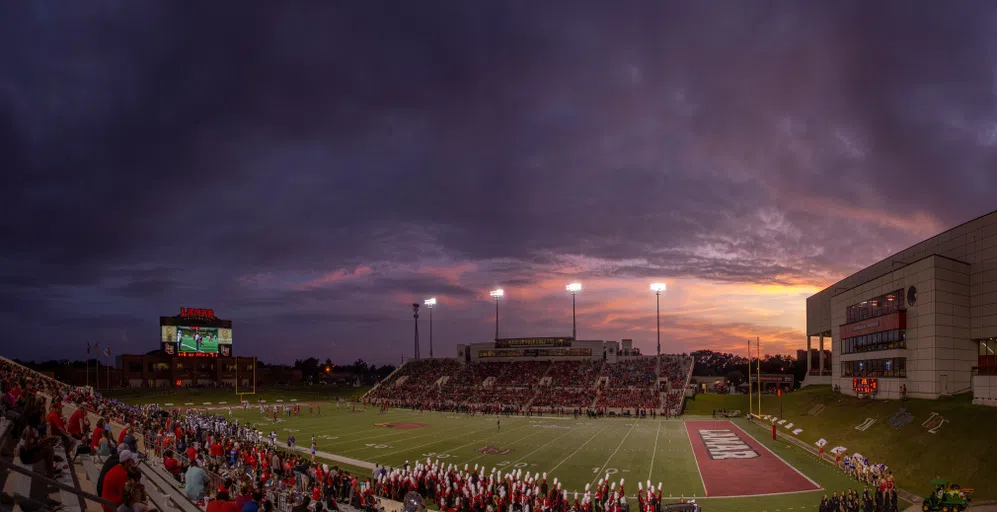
[(865, 386)]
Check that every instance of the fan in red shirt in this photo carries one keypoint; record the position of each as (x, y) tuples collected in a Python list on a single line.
[(172, 465), (98, 434), (216, 450), (76, 423), (115, 480), (123, 433), (57, 426), (191, 453)]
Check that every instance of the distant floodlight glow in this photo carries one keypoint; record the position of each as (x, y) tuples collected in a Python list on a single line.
[(497, 293), (574, 287), (430, 302), (658, 287)]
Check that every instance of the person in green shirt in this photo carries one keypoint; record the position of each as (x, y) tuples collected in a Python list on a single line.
[(197, 480)]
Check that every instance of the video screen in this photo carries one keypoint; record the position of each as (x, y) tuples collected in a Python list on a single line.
[(203, 339)]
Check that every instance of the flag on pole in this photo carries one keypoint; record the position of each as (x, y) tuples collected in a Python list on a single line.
[(107, 351), (96, 347), (88, 348)]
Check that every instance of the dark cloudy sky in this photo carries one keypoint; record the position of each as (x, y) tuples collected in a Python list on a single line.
[(309, 169)]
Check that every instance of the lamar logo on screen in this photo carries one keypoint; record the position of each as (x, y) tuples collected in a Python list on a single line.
[(724, 444), (196, 312)]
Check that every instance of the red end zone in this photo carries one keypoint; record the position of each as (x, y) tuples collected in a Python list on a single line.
[(733, 463)]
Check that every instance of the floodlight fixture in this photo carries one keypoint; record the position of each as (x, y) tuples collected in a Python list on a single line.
[(430, 302), (574, 287), (497, 293), (658, 287)]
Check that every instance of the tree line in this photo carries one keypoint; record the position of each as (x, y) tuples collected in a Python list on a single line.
[(735, 368)]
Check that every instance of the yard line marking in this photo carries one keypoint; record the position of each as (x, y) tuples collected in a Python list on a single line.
[(427, 444), (696, 457), (404, 439), (542, 447), (539, 430), (480, 440), (655, 452), (603, 468), (578, 449)]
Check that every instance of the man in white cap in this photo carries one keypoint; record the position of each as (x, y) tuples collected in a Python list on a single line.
[(116, 478)]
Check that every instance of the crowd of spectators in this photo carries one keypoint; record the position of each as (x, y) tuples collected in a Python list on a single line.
[(424, 372), (523, 374), (560, 397), (629, 398), (574, 374), (209, 455), (514, 387), (637, 372)]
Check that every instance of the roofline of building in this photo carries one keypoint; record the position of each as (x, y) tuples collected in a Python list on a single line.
[(935, 255), (894, 255)]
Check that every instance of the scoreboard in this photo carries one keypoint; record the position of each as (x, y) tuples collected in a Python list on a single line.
[(865, 386)]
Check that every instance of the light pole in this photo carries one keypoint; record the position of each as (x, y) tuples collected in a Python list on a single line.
[(657, 288), (415, 314), (573, 288), (497, 294), (430, 302)]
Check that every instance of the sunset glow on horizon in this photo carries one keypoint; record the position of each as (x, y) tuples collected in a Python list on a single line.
[(319, 168)]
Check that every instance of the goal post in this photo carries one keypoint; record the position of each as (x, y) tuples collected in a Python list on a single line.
[(241, 394)]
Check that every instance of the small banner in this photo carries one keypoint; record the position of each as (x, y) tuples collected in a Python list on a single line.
[(821, 442)]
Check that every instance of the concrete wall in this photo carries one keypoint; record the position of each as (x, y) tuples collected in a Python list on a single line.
[(985, 390)]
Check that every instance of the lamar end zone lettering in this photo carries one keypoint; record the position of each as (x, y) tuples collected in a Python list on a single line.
[(724, 444)]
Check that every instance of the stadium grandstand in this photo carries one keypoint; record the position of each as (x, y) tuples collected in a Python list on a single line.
[(624, 386)]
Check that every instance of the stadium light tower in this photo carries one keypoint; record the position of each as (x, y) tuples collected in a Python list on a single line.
[(430, 302), (573, 288), (657, 288), (497, 294), (415, 314)]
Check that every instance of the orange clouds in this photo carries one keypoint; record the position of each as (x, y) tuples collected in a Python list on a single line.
[(336, 276)]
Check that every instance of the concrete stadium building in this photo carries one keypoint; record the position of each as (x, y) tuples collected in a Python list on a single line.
[(925, 318)]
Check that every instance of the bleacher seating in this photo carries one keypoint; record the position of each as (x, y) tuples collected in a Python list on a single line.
[(514, 386)]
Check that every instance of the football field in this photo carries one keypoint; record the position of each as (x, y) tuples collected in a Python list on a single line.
[(728, 465), (188, 344)]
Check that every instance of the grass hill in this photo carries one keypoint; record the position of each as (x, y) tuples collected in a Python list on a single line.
[(962, 449)]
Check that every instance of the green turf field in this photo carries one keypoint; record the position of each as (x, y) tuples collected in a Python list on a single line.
[(209, 341), (577, 452)]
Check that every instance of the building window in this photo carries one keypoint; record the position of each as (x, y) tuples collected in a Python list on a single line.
[(885, 304), (885, 340), (988, 357), (890, 367)]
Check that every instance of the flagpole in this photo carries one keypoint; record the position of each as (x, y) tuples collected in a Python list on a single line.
[(758, 352), (87, 362), (750, 402)]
